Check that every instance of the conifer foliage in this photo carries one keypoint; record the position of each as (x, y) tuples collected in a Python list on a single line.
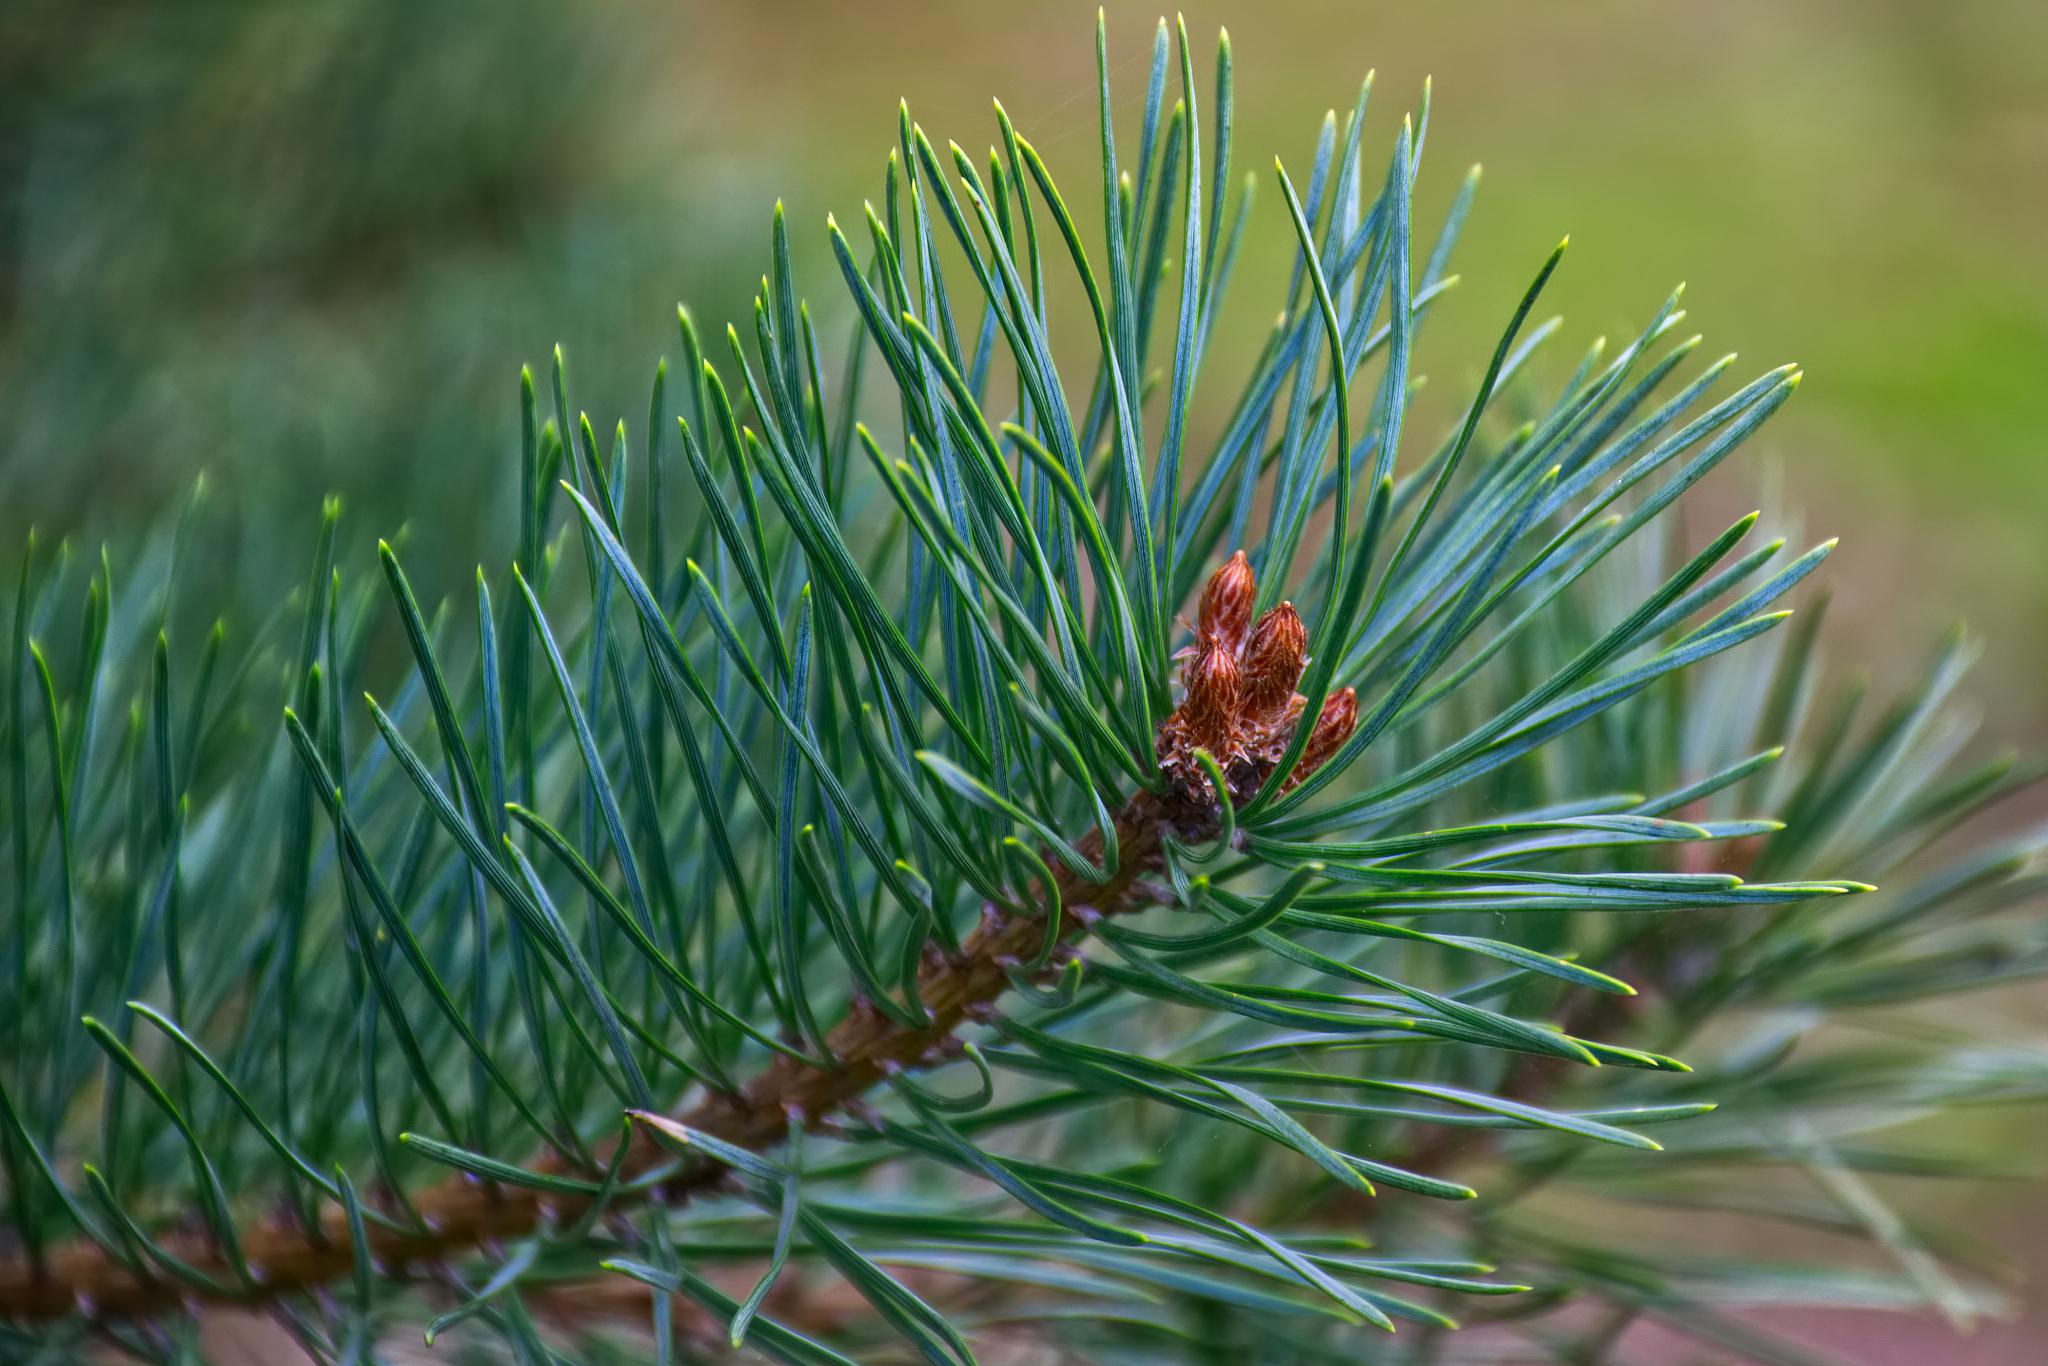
[(817, 896)]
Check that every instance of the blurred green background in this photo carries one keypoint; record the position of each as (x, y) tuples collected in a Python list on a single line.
[(307, 247)]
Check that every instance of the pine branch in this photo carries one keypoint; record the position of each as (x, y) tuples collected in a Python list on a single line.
[(1236, 709), (798, 773), (462, 1214)]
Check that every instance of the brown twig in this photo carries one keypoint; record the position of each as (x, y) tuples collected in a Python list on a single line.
[(460, 1214)]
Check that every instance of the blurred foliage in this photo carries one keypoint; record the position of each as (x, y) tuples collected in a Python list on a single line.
[(296, 246)]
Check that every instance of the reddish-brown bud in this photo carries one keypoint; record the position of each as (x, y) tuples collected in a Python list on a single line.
[(1273, 659), (1215, 685), (1226, 612), (1266, 738), (1339, 718)]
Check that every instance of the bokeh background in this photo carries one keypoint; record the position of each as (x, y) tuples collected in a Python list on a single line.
[(307, 247)]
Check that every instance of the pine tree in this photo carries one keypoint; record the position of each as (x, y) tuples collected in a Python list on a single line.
[(817, 894)]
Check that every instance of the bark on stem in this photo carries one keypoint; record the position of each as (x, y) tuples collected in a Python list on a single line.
[(460, 1214)]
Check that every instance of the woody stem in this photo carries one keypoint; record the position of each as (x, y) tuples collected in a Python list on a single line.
[(458, 1215)]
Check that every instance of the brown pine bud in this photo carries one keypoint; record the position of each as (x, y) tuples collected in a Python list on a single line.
[(1273, 659), (1226, 612), (1339, 718), (1215, 684)]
